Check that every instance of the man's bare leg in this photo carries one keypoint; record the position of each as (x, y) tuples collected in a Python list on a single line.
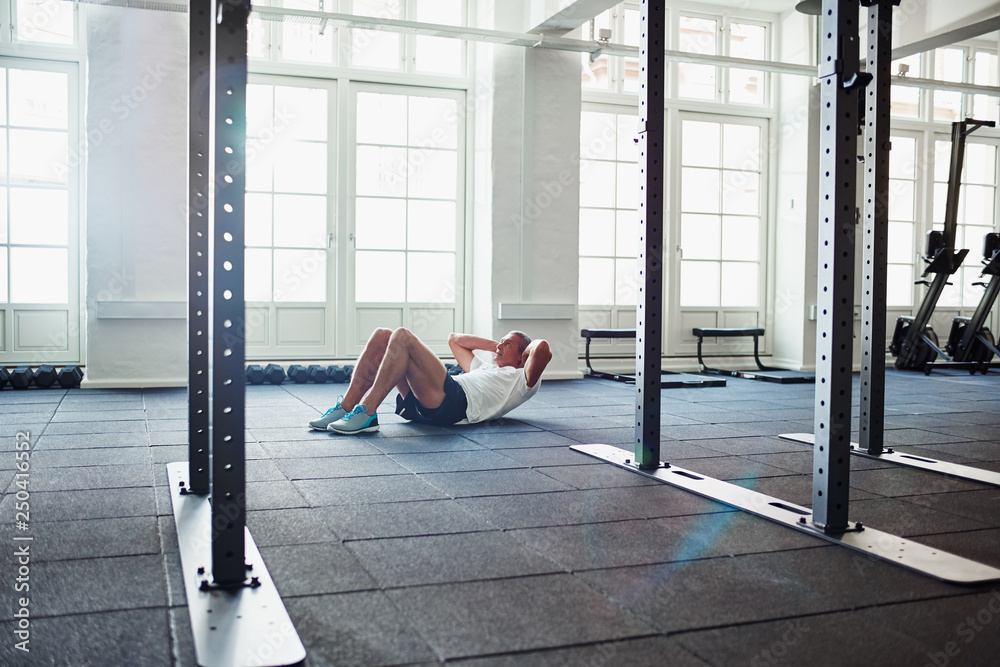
[(366, 369), (409, 365)]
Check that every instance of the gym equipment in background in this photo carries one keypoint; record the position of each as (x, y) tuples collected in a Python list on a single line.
[(764, 373), (914, 343), (970, 343), (668, 379)]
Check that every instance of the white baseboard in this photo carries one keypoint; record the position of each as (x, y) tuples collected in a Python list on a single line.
[(132, 383)]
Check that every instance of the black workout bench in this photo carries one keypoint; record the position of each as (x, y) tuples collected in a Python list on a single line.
[(764, 373), (668, 379)]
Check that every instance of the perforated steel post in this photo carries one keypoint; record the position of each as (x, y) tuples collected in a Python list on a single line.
[(199, 147), (876, 152), (839, 83), (649, 320), (228, 325)]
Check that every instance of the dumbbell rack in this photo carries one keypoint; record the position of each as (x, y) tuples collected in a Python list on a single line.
[(237, 616)]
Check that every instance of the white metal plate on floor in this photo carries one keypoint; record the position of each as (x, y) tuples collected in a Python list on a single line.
[(246, 627), (920, 462), (926, 560)]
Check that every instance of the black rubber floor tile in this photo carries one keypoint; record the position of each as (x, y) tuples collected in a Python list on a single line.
[(91, 441), (642, 652), (167, 425), (108, 638), (62, 416), (493, 482), (488, 617), (560, 508), (796, 489), (97, 584), (978, 545), (377, 520), (357, 629), (729, 468), (529, 439), (104, 456), (95, 477), (80, 505), (424, 444), (725, 591), (311, 569), (976, 505), (988, 417), (663, 500), (456, 461), (801, 462), (288, 527), (754, 445), (452, 558), (959, 630), (665, 540), (915, 436), (968, 453), (599, 475), (540, 457), (354, 490), (706, 432), (809, 640), (166, 413), (772, 427), (319, 446), (95, 427), (94, 538), (605, 436), (896, 516), (272, 496), (332, 467), (907, 482)]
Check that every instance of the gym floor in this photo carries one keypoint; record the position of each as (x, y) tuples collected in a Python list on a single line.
[(495, 544)]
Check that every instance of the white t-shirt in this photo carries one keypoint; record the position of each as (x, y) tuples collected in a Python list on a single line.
[(493, 391)]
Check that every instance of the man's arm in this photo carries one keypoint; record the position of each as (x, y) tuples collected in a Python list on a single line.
[(534, 359), (462, 346)]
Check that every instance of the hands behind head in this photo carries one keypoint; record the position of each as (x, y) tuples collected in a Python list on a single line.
[(524, 359)]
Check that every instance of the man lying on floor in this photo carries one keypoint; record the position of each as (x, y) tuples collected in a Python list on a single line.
[(427, 393)]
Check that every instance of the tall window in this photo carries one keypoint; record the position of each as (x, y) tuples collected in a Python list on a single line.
[(902, 220), (45, 22), (616, 73), (35, 192), (906, 99), (721, 206), (976, 213), (709, 35), (39, 212), (406, 209), (609, 190), (287, 194), (289, 213)]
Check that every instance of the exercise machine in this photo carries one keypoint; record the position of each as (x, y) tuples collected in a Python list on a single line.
[(765, 373), (914, 343), (970, 343)]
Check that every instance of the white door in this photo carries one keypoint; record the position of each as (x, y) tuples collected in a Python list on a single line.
[(405, 228), (291, 209), (39, 212)]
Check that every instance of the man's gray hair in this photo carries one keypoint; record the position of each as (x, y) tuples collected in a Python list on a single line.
[(525, 340)]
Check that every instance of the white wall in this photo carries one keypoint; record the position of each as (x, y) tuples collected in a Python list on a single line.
[(535, 192), (794, 257), (136, 224)]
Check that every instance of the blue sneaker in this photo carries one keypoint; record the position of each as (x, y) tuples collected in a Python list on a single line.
[(355, 421), (330, 416)]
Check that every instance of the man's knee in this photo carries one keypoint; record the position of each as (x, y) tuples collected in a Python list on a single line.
[(402, 334), (381, 334)]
